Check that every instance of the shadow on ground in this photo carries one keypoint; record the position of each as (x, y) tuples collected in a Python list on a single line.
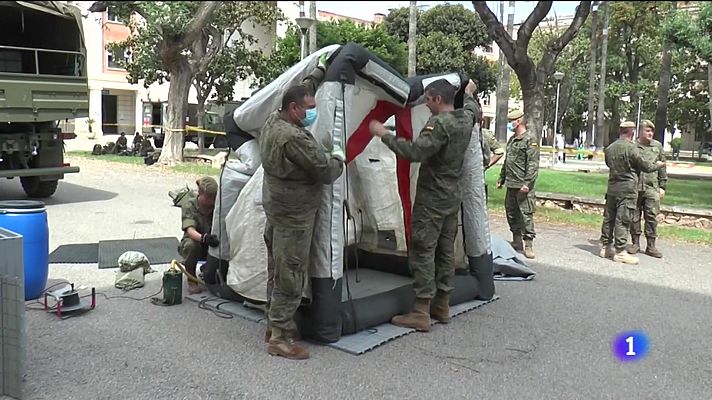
[(67, 193)]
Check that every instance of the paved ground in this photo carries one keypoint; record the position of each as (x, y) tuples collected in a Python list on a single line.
[(549, 338)]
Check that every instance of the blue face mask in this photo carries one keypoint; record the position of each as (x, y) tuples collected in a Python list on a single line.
[(510, 126), (310, 117)]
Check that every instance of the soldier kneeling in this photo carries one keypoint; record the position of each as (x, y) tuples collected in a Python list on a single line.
[(197, 220)]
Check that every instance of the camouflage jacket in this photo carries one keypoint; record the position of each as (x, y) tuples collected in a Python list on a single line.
[(625, 160), (440, 149), (521, 164), (191, 215), (296, 167), (490, 146), (652, 180)]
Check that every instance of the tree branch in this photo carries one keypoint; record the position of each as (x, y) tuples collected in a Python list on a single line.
[(202, 18), (495, 29), (555, 47), (524, 34)]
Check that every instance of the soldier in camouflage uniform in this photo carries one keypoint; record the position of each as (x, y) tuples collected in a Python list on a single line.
[(440, 149), (518, 175), (296, 167), (197, 220), (492, 151), (651, 189), (624, 160)]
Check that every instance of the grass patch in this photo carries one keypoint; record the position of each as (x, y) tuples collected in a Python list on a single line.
[(680, 192), (591, 184), (185, 168)]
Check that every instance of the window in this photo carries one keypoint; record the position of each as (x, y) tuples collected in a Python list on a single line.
[(114, 58), (488, 48), (486, 100), (112, 17)]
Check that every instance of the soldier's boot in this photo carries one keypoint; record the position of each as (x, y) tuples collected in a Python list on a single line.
[(517, 243), (528, 249), (606, 252), (281, 344), (625, 258), (440, 307), (651, 250), (634, 247), (418, 319)]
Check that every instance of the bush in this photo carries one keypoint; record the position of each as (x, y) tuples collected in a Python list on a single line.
[(676, 143)]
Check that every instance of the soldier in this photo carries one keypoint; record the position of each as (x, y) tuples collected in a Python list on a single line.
[(136, 145), (197, 220), (624, 160), (492, 148), (518, 175), (651, 189), (440, 148), (296, 167), (121, 143)]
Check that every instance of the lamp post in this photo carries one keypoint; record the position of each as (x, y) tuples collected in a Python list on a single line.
[(304, 24), (558, 76)]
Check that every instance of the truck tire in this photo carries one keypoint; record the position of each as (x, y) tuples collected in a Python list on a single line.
[(220, 142), (158, 142), (37, 189)]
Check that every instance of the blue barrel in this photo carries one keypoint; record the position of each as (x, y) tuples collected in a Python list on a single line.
[(29, 219)]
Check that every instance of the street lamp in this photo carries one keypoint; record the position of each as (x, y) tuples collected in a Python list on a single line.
[(558, 76), (637, 121), (304, 24)]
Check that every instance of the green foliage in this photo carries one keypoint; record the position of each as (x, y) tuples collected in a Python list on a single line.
[(676, 143), (375, 39), (447, 36)]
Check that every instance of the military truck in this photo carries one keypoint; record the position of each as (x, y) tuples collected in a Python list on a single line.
[(43, 80)]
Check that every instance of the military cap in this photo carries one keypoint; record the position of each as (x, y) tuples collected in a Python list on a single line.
[(207, 185), (647, 123), (627, 124), (516, 114)]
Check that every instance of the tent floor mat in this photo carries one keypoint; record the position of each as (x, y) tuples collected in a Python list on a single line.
[(357, 343), (157, 250), (81, 253)]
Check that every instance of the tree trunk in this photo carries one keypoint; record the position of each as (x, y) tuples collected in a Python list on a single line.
[(592, 76), (600, 113), (503, 91), (663, 90), (181, 77), (534, 107), (611, 129), (706, 136), (200, 116), (412, 28), (312, 29)]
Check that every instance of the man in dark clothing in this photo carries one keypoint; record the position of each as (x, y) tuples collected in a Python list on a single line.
[(296, 167), (440, 149)]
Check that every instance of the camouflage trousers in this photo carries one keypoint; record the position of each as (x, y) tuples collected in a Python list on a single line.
[(287, 262), (192, 252), (431, 253), (616, 221), (649, 205), (520, 209)]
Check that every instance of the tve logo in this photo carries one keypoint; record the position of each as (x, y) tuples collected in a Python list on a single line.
[(630, 346)]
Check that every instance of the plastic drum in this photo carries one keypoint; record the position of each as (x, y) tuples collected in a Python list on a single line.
[(29, 219)]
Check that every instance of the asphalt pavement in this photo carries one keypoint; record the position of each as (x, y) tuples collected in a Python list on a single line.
[(545, 339)]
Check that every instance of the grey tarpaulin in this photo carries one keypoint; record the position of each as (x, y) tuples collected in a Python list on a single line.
[(474, 210), (508, 264)]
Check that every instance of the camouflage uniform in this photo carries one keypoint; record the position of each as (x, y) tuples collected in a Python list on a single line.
[(624, 160), (490, 146), (649, 185), (440, 148), (296, 167), (121, 144), (191, 215), (521, 167)]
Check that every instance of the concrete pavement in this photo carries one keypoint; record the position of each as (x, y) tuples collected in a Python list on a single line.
[(549, 338)]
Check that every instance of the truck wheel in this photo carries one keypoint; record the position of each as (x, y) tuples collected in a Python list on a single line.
[(35, 188), (158, 143), (220, 142)]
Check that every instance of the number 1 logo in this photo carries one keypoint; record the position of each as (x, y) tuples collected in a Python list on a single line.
[(630, 346)]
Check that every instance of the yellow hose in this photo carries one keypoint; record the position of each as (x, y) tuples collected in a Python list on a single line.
[(177, 265)]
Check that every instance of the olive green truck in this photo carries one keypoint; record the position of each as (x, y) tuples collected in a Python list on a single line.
[(43, 81)]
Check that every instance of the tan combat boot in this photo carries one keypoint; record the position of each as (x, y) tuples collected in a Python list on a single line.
[(528, 249), (418, 319), (625, 258), (606, 251), (634, 246), (281, 344), (440, 307), (651, 250), (517, 243)]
